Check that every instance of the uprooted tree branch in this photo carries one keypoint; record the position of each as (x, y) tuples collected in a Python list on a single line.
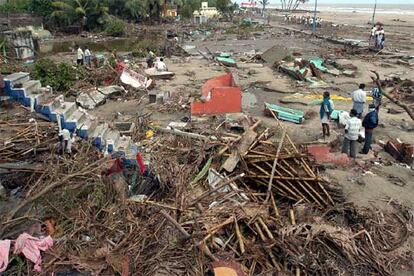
[(387, 94)]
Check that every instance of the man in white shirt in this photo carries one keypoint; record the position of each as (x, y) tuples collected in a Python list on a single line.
[(352, 129), (88, 57), (160, 65), (65, 141), (79, 56), (359, 97), (373, 34)]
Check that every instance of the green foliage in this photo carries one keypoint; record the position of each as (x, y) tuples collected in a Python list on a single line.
[(135, 9), (186, 11), (42, 7), (226, 7), (15, 6), (188, 7), (60, 76), (114, 27), (93, 14)]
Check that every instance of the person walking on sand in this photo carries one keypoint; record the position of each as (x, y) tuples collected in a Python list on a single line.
[(325, 111), (352, 129), (359, 98), (79, 55), (370, 122), (88, 57)]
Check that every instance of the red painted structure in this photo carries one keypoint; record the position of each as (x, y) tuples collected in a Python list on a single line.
[(219, 95), (323, 155)]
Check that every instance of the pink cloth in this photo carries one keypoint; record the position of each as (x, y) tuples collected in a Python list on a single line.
[(30, 247), (4, 254)]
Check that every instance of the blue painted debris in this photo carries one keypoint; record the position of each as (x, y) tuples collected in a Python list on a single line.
[(286, 114), (20, 88)]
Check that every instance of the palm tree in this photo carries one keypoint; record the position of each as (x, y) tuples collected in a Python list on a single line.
[(136, 8), (70, 11), (264, 3), (87, 12)]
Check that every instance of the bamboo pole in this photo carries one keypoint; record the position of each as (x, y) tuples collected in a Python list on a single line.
[(239, 236), (269, 188)]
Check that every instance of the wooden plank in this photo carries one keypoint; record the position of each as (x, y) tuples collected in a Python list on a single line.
[(247, 139)]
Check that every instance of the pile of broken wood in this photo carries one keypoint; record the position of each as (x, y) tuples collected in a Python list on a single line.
[(250, 197)]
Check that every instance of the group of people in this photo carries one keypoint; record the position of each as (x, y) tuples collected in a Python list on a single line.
[(378, 36), (354, 121), (155, 62), (83, 56), (305, 20)]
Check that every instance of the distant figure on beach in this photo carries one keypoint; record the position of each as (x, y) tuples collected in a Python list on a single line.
[(380, 36), (359, 98), (79, 55), (373, 37)]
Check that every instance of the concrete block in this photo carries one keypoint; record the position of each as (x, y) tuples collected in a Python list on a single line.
[(219, 95), (71, 122)]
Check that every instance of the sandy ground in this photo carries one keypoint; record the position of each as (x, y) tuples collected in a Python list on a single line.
[(372, 180), (398, 28)]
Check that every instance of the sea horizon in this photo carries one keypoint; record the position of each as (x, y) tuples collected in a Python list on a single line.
[(356, 8)]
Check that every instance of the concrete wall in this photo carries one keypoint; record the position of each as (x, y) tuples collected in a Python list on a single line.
[(23, 44), (14, 20)]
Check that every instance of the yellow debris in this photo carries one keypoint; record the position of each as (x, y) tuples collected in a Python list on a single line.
[(149, 134)]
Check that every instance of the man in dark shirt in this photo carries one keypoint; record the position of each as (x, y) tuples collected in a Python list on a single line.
[(370, 122)]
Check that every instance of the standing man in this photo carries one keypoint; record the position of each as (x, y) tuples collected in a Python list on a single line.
[(88, 56), (352, 129), (325, 111), (150, 58), (380, 36), (376, 97), (373, 36), (79, 56), (370, 122), (359, 97)]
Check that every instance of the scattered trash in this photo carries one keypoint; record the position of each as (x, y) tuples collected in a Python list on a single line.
[(27, 245)]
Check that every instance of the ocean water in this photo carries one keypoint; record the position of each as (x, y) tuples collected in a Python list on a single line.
[(359, 8)]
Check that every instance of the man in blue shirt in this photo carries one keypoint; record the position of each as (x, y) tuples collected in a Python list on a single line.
[(370, 122)]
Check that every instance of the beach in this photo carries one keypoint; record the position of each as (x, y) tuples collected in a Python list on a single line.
[(353, 22)]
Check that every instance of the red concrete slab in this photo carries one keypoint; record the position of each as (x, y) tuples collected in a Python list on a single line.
[(219, 95), (322, 155)]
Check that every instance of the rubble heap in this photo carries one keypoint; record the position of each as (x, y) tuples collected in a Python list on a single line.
[(252, 198)]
